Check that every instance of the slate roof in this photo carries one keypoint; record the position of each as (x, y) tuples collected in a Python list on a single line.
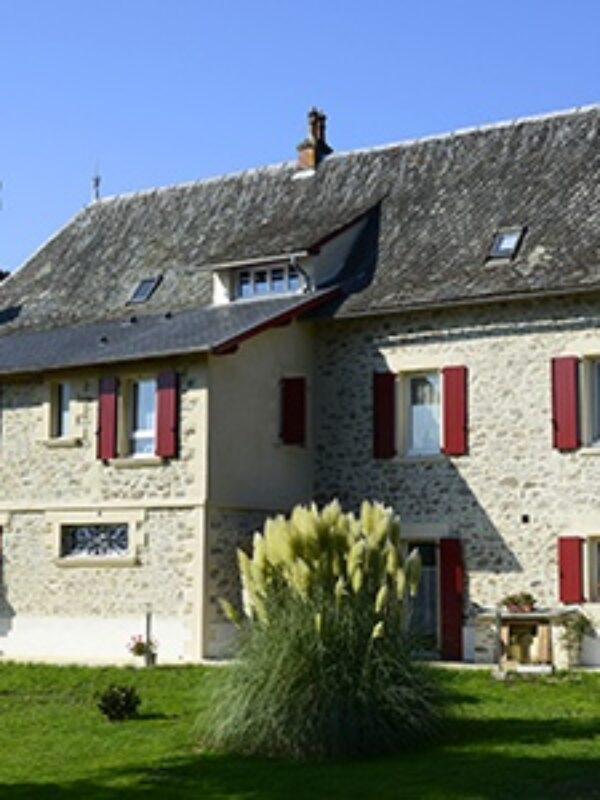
[(439, 202), (199, 330)]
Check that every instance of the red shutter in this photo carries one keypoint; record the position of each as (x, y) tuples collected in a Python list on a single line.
[(167, 415), (454, 393), (107, 418), (293, 410), (384, 414), (565, 403), (570, 569), (451, 588)]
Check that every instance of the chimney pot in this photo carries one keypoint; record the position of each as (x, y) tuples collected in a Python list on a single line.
[(314, 148)]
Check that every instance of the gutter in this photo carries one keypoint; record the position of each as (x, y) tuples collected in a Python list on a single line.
[(476, 300)]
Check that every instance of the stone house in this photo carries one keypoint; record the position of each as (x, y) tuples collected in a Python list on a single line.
[(417, 323)]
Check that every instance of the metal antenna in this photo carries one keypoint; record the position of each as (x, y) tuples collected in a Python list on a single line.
[(96, 180)]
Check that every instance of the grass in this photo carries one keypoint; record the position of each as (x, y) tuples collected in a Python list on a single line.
[(521, 739)]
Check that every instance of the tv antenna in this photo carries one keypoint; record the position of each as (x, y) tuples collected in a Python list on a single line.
[(96, 180)]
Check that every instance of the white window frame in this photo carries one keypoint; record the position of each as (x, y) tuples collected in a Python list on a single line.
[(590, 401), (134, 434), (269, 270), (406, 379), (53, 433), (61, 410), (592, 568)]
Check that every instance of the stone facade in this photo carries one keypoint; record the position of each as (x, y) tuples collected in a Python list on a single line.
[(513, 495), (508, 500), (227, 530), (60, 608)]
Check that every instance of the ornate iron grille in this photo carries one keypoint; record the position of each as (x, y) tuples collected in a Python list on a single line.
[(94, 540)]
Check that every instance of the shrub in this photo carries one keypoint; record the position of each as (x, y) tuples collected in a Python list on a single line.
[(325, 665), (119, 702)]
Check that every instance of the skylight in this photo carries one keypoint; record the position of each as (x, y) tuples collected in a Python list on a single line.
[(144, 289), (506, 243)]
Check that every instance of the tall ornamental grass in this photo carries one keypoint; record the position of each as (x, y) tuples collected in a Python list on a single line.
[(324, 665)]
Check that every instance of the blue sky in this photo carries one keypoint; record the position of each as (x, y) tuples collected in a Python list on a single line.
[(157, 93)]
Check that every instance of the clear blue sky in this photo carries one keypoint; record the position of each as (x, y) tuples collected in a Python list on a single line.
[(161, 92)]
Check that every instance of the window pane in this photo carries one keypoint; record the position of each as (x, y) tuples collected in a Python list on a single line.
[(278, 280), (261, 282), (94, 540), (597, 559), (144, 399), (424, 416), (143, 417), (293, 279), (63, 398), (244, 284), (596, 403), (142, 445)]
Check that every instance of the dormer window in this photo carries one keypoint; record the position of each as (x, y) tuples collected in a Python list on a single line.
[(262, 281), (144, 289), (506, 243)]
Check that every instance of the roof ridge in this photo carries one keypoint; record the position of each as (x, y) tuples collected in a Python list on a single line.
[(275, 167), (400, 143), (469, 130)]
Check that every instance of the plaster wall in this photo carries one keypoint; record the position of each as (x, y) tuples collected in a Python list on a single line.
[(250, 468)]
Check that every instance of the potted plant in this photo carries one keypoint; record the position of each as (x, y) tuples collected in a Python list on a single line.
[(138, 646), (575, 627), (519, 603)]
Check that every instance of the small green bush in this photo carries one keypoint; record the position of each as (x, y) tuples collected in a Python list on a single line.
[(119, 702), (325, 666)]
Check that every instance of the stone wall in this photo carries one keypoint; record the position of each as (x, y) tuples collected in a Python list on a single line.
[(45, 483), (513, 495), (35, 469), (227, 530)]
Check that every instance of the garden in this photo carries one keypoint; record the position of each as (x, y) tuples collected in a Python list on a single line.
[(325, 698), (536, 738)]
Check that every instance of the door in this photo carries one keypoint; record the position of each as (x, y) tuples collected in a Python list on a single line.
[(424, 607)]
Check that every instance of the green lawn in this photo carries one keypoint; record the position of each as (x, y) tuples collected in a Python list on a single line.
[(534, 739)]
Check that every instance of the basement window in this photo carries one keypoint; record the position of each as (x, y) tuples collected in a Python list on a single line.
[(93, 541), (144, 290), (506, 243)]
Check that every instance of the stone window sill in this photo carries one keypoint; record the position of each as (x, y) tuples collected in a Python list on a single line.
[(62, 441), (590, 451), (131, 462), (405, 458), (97, 562)]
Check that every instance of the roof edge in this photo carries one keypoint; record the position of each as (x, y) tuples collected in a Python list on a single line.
[(477, 300)]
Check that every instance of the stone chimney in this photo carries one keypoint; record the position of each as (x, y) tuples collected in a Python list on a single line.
[(314, 148)]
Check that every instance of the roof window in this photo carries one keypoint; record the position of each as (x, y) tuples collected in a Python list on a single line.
[(506, 243), (144, 289)]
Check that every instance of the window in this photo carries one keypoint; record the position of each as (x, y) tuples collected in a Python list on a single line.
[(94, 541), (423, 413), (262, 281), (594, 569), (138, 416), (61, 421), (593, 376), (145, 289), (142, 417), (429, 409), (506, 243)]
